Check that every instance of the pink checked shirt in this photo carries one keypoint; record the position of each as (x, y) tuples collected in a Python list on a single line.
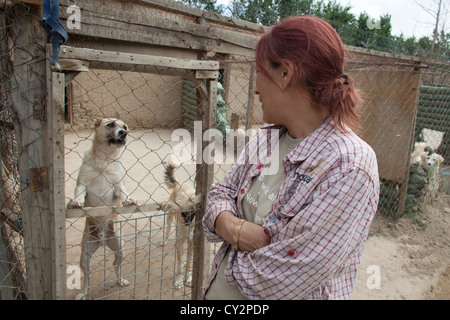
[(319, 220)]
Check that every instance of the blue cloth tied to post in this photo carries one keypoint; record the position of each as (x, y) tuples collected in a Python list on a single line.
[(50, 22)]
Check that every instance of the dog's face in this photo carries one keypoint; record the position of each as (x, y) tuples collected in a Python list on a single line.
[(434, 159), (112, 131)]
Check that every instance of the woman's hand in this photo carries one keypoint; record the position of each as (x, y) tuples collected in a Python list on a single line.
[(251, 237)]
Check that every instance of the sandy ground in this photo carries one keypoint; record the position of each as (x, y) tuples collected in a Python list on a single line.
[(401, 260), (413, 260)]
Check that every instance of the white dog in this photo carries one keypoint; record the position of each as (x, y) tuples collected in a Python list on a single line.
[(100, 183), (420, 153), (434, 159)]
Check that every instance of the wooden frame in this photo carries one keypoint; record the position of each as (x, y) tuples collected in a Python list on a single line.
[(206, 73)]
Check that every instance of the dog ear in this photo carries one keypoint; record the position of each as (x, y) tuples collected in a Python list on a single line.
[(440, 159), (98, 122)]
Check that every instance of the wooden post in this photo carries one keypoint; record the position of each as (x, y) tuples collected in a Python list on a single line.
[(250, 100), (28, 98), (207, 110), (55, 159)]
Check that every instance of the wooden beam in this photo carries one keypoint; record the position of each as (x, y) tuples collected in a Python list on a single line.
[(106, 211), (139, 23), (73, 65), (137, 68), (55, 157), (207, 110), (209, 16), (28, 91), (135, 59), (9, 2)]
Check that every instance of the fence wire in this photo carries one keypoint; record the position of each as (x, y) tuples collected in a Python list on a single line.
[(153, 105)]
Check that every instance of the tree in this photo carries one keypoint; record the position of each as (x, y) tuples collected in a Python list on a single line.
[(289, 8), (335, 12), (238, 8), (207, 5), (262, 11), (440, 13)]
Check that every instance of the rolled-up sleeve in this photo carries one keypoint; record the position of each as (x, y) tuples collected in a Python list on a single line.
[(221, 197)]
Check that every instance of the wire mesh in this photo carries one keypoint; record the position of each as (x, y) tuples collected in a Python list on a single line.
[(151, 106)]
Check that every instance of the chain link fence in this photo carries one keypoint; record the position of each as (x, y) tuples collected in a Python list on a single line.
[(161, 105)]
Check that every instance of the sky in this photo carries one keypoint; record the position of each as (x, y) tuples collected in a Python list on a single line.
[(407, 16)]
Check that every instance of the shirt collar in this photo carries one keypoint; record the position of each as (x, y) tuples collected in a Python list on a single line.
[(310, 143)]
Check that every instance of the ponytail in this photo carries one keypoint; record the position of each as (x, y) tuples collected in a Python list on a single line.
[(344, 102)]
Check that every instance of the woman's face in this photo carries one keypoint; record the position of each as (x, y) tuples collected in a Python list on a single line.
[(269, 92)]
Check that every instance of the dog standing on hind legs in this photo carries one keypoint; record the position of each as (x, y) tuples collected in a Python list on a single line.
[(100, 183), (180, 193)]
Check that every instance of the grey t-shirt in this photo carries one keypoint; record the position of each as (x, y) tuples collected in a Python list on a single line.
[(256, 205)]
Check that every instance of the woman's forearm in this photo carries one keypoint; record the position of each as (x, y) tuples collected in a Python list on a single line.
[(251, 236)]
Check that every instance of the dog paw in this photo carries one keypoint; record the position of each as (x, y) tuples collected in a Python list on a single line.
[(178, 283), (129, 202), (123, 282), (74, 204), (81, 296), (189, 281)]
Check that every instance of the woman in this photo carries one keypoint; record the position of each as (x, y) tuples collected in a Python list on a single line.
[(296, 232)]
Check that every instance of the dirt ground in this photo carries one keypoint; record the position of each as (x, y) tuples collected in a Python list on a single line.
[(402, 259), (413, 258)]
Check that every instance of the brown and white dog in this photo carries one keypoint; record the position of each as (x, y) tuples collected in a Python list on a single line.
[(180, 211), (101, 183)]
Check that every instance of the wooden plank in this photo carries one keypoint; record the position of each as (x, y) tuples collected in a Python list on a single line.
[(250, 100), (11, 2), (28, 92), (142, 24), (203, 185), (172, 7), (211, 16), (117, 15), (74, 65), (55, 152), (135, 59), (382, 54), (122, 210), (162, 71), (201, 74)]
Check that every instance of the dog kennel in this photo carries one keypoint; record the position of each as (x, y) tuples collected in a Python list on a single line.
[(156, 65)]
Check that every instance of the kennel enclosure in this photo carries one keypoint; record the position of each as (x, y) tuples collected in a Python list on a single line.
[(155, 64)]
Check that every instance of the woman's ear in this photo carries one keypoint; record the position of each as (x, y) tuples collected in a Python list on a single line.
[(286, 75)]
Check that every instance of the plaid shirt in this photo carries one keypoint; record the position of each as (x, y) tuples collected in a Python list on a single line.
[(319, 221)]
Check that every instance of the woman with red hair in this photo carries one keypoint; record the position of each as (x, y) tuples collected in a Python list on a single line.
[(294, 212)]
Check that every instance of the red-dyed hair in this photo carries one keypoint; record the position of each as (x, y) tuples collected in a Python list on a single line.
[(316, 52)]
